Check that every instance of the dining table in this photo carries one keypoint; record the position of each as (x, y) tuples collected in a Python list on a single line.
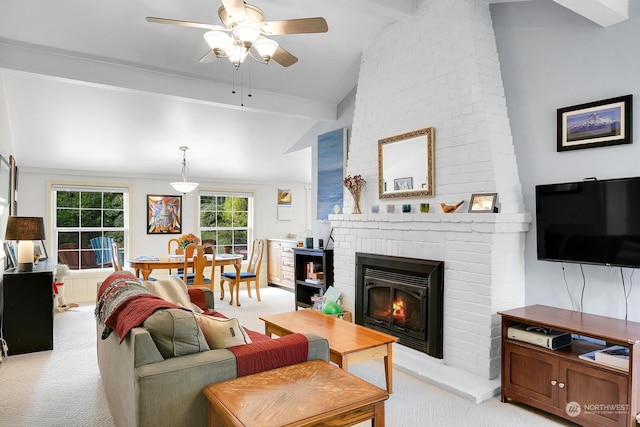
[(146, 264)]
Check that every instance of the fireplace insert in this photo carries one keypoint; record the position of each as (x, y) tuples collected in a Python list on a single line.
[(402, 297)]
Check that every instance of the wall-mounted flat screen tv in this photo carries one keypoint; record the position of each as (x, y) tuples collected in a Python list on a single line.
[(590, 222)]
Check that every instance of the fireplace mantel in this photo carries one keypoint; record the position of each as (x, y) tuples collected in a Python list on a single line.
[(495, 222)]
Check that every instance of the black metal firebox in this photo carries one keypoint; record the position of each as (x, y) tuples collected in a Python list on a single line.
[(402, 297)]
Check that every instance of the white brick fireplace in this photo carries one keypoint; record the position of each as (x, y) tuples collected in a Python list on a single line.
[(440, 68)]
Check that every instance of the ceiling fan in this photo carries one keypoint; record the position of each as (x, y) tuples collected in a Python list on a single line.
[(245, 34)]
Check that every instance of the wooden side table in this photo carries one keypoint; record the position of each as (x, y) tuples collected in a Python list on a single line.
[(296, 395)]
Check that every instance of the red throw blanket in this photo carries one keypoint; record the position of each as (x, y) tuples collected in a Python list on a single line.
[(123, 303), (196, 296), (270, 354)]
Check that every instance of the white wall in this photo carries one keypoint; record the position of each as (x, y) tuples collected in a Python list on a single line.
[(6, 149), (553, 58), (140, 243)]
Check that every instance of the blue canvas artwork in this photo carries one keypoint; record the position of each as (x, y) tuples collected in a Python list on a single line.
[(331, 155)]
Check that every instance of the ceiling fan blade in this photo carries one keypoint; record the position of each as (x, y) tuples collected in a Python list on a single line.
[(235, 9), (208, 58), (185, 23), (283, 57), (295, 26)]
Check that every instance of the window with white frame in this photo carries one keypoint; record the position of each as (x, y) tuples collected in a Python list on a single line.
[(85, 221), (227, 219)]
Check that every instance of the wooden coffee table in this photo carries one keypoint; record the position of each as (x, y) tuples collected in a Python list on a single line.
[(305, 394), (348, 342)]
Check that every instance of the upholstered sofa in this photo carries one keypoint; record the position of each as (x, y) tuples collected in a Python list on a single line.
[(143, 388)]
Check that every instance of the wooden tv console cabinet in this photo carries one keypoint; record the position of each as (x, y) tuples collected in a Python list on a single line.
[(558, 381)]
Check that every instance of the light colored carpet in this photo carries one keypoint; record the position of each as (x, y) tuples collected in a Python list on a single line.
[(63, 387)]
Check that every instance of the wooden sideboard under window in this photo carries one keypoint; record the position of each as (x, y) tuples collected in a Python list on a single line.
[(280, 262)]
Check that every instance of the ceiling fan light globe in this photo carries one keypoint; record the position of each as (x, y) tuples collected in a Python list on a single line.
[(266, 48), (217, 40), (237, 55), (247, 33)]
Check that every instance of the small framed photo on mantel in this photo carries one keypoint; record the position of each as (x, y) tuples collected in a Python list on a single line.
[(595, 124), (483, 202)]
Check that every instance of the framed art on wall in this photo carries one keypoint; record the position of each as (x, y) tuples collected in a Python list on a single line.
[(5, 181), (13, 186), (164, 214), (332, 152), (595, 124)]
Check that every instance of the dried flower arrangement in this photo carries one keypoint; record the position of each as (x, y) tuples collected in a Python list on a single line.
[(355, 184), (186, 239)]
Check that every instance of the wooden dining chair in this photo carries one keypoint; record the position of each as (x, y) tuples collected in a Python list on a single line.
[(115, 256), (117, 261), (251, 275), (197, 254)]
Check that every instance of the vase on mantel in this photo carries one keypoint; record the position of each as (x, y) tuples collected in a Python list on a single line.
[(354, 184), (356, 203)]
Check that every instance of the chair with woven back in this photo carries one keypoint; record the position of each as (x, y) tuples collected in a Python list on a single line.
[(251, 275)]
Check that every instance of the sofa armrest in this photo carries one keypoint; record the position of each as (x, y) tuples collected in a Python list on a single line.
[(318, 347)]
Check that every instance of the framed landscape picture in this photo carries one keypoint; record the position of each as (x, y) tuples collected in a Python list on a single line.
[(164, 214), (595, 124)]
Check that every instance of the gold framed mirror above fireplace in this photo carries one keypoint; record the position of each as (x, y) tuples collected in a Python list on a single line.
[(406, 164)]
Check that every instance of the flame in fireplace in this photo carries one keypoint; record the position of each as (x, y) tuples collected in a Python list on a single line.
[(398, 311)]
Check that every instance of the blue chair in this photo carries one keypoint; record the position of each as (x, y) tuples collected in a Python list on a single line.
[(102, 248), (251, 275)]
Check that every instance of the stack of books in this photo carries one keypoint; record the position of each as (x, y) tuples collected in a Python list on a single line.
[(616, 356), (314, 277)]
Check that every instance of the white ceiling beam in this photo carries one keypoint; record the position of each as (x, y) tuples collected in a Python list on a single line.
[(396, 9), (603, 12), (94, 71)]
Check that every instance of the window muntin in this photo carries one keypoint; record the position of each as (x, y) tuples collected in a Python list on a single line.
[(84, 213), (227, 218)]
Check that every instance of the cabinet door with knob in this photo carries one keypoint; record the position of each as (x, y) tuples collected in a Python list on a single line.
[(531, 375)]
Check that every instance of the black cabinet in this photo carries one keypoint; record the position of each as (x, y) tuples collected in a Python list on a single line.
[(320, 260), (27, 309)]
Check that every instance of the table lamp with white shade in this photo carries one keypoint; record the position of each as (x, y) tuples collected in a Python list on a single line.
[(25, 229)]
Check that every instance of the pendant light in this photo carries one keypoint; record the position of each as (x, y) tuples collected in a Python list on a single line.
[(184, 186)]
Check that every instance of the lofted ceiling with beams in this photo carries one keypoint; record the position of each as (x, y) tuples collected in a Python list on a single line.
[(93, 86)]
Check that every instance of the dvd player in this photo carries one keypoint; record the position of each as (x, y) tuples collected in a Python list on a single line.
[(543, 337)]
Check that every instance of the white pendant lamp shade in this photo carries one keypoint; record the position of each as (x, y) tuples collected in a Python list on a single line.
[(184, 186)]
